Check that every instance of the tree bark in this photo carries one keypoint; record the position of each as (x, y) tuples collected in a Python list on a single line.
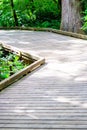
[(71, 17), (14, 13)]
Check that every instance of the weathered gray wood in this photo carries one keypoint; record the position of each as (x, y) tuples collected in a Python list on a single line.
[(39, 126), (51, 98), (67, 33)]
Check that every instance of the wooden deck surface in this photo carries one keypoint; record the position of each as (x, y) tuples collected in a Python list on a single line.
[(53, 97)]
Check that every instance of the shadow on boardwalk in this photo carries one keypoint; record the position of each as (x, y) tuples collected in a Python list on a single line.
[(55, 95)]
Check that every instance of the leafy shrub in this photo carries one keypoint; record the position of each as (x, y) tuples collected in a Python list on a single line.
[(9, 64), (39, 13), (85, 21)]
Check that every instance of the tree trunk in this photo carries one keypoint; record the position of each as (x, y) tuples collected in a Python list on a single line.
[(71, 18), (14, 13)]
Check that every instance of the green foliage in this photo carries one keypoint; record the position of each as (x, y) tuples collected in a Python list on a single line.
[(40, 13), (46, 24), (84, 15), (6, 18), (47, 16), (9, 64), (85, 21)]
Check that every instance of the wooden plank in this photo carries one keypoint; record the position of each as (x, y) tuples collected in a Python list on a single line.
[(34, 103), (42, 126), (43, 121), (76, 35), (38, 62)]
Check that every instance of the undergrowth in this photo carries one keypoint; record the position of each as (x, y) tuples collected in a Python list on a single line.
[(9, 63)]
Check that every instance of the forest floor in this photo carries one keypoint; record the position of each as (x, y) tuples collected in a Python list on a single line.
[(53, 96)]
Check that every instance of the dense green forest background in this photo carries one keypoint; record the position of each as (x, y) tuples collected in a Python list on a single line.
[(38, 13), (34, 13)]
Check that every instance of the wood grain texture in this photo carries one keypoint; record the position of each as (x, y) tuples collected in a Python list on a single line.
[(53, 97)]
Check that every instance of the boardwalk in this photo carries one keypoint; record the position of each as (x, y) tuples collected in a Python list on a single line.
[(53, 97)]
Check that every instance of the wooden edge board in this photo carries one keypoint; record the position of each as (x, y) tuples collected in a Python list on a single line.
[(20, 52), (72, 34), (38, 62)]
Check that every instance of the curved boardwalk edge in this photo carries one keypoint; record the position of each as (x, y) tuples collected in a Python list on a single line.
[(76, 35)]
